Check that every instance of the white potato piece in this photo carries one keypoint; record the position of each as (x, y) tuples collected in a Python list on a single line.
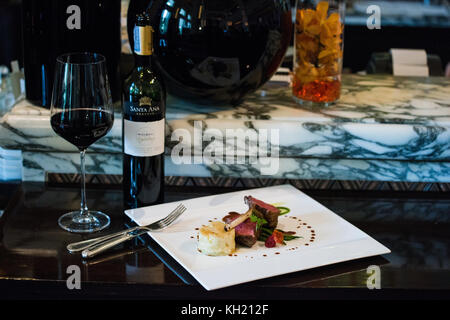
[(213, 240)]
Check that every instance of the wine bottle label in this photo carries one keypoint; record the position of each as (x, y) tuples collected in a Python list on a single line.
[(143, 139), (143, 40)]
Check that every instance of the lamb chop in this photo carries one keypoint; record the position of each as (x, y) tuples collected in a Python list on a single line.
[(264, 210), (246, 232)]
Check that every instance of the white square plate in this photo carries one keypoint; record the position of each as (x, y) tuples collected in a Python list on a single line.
[(326, 237)]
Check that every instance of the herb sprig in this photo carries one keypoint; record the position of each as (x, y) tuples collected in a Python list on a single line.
[(259, 221)]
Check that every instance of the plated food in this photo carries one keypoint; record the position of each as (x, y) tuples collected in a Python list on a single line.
[(259, 223), (325, 238)]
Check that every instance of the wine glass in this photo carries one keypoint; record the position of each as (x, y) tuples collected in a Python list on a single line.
[(81, 113)]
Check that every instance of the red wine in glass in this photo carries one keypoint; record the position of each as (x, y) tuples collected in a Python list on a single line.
[(81, 113), (82, 127)]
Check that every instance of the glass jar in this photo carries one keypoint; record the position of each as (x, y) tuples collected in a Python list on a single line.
[(318, 51)]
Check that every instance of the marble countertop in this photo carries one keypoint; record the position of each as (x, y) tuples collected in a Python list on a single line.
[(377, 117), (383, 127)]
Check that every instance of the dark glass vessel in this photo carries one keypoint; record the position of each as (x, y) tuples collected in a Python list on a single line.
[(54, 27), (216, 51), (143, 126)]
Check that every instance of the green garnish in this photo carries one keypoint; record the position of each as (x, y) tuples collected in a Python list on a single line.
[(267, 232), (289, 237), (283, 210), (259, 221)]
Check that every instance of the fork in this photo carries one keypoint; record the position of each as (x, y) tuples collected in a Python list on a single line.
[(98, 248), (160, 224)]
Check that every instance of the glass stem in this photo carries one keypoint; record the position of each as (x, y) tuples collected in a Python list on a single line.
[(84, 208)]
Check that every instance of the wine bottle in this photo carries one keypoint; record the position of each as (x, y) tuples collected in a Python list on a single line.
[(143, 124)]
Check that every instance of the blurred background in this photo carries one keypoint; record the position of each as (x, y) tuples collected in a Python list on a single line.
[(414, 24)]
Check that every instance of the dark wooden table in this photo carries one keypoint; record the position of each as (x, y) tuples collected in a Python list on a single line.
[(34, 261)]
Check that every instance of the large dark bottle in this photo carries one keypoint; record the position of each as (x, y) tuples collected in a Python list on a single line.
[(54, 27), (143, 125)]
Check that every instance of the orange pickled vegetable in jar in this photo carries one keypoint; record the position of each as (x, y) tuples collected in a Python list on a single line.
[(318, 51)]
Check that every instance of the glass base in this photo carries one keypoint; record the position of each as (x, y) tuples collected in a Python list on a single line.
[(89, 222), (312, 105)]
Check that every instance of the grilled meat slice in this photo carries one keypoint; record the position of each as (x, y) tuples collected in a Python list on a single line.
[(268, 211), (245, 233)]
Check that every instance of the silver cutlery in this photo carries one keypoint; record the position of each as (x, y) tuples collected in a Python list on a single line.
[(105, 245), (81, 245), (127, 234)]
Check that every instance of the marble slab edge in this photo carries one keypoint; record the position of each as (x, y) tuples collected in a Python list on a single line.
[(298, 139), (37, 165), (294, 139)]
